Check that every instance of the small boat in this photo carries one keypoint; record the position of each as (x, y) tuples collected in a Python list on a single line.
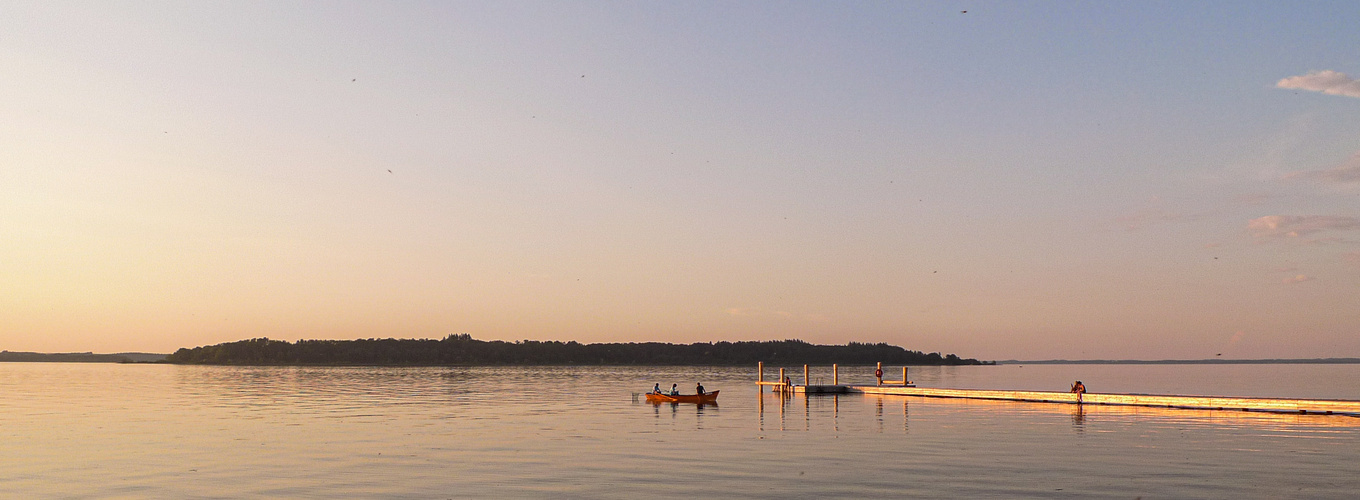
[(707, 397)]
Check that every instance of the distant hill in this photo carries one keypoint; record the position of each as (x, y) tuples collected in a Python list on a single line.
[(80, 357), (465, 350), (1311, 361)]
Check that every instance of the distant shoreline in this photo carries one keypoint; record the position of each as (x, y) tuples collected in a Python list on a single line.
[(80, 357), (1310, 361)]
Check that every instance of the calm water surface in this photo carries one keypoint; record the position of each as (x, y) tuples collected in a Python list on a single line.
[(157, 431)]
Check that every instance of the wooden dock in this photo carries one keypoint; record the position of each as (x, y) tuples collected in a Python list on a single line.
[(905, 387), (1272, 405)]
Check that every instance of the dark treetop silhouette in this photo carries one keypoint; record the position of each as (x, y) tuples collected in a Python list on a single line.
[(462, 349)]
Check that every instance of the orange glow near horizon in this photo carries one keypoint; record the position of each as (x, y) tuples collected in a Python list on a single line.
[(172, 179)]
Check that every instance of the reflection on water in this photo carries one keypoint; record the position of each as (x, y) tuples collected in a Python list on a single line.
[(96, 431)]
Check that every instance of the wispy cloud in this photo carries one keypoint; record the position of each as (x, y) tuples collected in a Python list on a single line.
[(751, 311), (1253, 199), (1293, 226), (1352, 257), (1327, 82), (1148, 217), (1348, 172), (1328, 240), (1153, 214), (755, 312), (1300, 278)]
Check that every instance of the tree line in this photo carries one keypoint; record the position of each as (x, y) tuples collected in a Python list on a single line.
[(462, 349)]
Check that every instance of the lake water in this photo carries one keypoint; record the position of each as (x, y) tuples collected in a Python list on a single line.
[(160, 431)]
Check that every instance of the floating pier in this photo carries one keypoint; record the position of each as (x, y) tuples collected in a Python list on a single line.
[(904, 387), (1273, 405)]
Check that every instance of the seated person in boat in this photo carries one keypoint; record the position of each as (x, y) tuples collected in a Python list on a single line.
[(699, 388), (656, 389), (675, 389)]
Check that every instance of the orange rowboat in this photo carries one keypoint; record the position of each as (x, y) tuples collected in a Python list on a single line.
[(708, 397)]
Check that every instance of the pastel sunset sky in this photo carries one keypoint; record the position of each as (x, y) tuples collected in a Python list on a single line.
[(1000, 180)]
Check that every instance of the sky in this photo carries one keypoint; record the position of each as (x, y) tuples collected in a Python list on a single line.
[(999, 180)]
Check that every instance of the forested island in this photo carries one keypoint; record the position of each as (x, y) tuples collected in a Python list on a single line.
[(462, 349)]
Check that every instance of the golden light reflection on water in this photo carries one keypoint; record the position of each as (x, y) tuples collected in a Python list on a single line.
[(94, 431), (1265, 420)]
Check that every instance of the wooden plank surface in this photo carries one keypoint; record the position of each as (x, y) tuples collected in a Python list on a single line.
[(1276, 405)]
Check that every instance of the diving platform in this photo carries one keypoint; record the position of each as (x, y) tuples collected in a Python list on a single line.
[(784, 384)]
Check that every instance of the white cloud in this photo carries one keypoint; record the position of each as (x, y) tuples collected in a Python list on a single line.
[(1348, 172), (1327, 82), (1293, 226)]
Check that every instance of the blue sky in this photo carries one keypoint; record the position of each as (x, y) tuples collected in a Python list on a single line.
[(1020, 180)]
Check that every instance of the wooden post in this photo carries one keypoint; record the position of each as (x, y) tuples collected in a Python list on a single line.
[(781, 380), (805, 376), (835, 374), (760, 377), (878, 373), (904, 376)]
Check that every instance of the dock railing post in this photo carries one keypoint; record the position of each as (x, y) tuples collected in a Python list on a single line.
[(904, 376), (835, 374), (805, 376), (760, 376), (878, 373), (781, 381)]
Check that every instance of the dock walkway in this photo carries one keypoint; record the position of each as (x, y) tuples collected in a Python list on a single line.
[(905, 387), (1273, 405)]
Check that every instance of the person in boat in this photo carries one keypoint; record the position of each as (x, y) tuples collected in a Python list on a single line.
[(656, 389), (699, 388), (675, 389)]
